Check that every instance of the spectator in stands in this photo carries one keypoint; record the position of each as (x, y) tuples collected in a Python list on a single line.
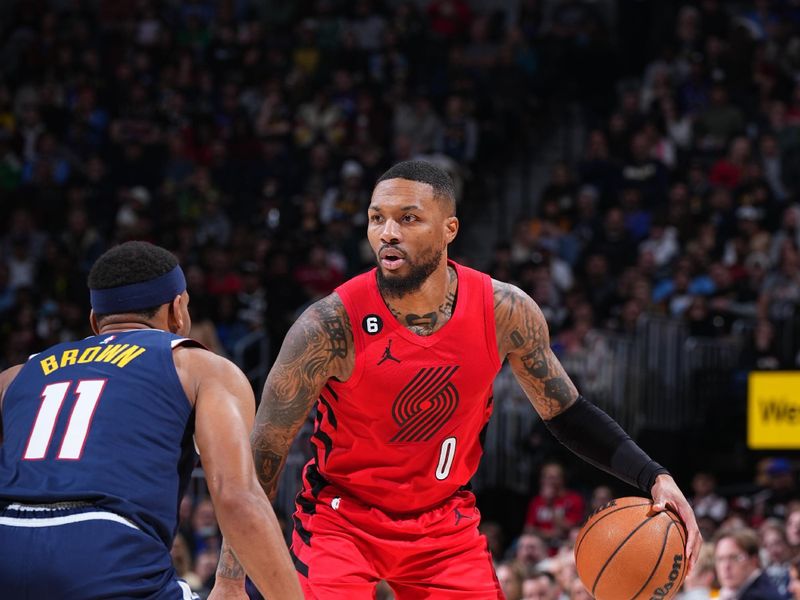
[(792, 529), (205, 530), (540, 585), (510, 580), (555, 508), (776, 554), (182, 561), (530, 550), (577, 591), (493, 532), (699, 582), (779, 489), (738, 569), (794, 578), (716, 125), (705, 500)]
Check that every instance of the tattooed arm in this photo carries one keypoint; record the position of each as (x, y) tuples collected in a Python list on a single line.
[(318, 346), (522, 336), (589, 432)]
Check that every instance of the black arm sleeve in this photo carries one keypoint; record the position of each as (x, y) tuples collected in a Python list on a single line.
[(598, 439)]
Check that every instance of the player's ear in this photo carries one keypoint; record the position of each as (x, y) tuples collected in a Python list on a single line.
[(175, 319), (451, 228), (93, 322)]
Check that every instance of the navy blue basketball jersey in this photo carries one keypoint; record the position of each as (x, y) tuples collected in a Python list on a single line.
[(103, 420)]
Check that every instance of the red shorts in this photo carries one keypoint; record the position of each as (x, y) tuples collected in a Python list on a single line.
[(343, 548)]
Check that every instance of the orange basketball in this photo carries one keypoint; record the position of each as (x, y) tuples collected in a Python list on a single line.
[(625, 550)]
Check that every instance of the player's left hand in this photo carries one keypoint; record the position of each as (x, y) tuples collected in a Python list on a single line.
[(666, 493)]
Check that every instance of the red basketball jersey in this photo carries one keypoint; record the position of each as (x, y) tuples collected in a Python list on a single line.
[(403, 433)]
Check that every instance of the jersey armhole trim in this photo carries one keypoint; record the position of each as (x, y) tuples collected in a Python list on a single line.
[(491, 325), (358, 340), (185, 343)]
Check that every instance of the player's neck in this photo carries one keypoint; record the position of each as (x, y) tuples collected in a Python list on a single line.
[(125, 326), (429, 308)]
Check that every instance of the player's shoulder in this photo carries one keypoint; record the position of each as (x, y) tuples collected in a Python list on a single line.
[(508, 296), (514, 309), (325, 312), (322, 335), (200, 363)]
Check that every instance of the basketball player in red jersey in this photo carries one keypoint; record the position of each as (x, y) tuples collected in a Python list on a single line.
[(400, 363)]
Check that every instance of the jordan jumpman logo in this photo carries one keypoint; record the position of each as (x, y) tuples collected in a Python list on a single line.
[(459, 516), (387, 354)]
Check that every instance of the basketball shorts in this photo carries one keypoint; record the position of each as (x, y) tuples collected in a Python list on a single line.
[(342, 548), (75, 551)]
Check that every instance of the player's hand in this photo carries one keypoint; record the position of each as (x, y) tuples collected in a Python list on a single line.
[(665, 494), (227, 589)]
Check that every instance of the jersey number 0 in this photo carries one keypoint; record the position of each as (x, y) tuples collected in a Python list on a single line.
[(88, 393)]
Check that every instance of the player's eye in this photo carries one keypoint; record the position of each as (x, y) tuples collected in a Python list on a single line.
[(410, 218), (376, 219)]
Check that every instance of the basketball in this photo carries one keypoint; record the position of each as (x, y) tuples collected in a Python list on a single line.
[(625, 550)]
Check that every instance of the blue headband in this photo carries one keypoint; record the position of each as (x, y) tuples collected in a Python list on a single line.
[(137, 296)]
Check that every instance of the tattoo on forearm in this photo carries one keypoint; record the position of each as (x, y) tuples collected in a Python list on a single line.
[(269, 467), (229, 566), (558, 389)]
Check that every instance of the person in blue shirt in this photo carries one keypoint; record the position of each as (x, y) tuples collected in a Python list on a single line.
[(98, 440)]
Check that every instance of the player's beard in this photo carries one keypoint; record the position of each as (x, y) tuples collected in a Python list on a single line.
[(397, 286)]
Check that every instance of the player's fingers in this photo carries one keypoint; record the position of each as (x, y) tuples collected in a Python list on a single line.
[(659, 503), (693, 537)]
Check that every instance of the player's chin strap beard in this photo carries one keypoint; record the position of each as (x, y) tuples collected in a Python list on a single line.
[(398, 287)]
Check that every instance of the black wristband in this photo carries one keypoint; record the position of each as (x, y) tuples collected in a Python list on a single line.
[(598, 439)]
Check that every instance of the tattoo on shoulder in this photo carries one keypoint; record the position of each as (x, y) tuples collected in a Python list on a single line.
[(335, 330), (508, 303), (516, 339)]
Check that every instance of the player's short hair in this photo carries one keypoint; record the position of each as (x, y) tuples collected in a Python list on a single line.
[(426, 172), (744, 537), (129, 263)]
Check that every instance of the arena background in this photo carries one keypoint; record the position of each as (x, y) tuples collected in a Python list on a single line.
[(632, 165)]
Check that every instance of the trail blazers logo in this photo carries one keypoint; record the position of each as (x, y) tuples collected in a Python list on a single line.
[(425, 404)]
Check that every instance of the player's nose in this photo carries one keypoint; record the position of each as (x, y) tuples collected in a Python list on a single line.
[(391, 232)]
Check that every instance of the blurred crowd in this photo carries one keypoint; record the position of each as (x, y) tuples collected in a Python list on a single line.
[(683, 201), (246, 136), (751, 535)]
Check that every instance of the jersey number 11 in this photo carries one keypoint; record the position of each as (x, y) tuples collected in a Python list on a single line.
[(88, 393)]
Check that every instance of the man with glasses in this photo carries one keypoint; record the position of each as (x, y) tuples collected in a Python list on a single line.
[(738, 567)]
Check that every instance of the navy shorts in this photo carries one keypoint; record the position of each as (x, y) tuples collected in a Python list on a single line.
[(75, 551)]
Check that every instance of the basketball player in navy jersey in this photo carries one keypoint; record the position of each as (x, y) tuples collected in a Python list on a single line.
[(400, 363), (97, 448)]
